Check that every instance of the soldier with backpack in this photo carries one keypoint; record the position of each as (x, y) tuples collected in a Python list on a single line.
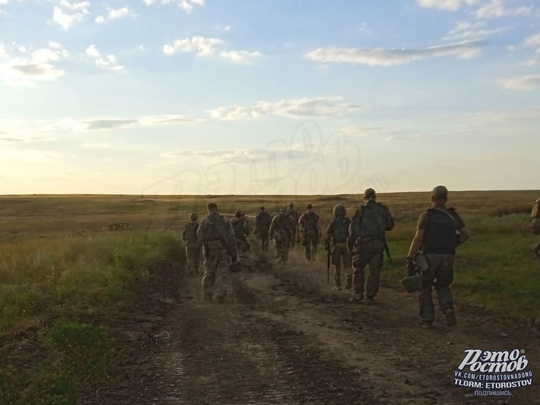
[(337, 234), (439, 231), (216, 236), (241, 231), (311, 231), (262, 225), (283, 231), (293, 213), (367, 241), (192, 246)]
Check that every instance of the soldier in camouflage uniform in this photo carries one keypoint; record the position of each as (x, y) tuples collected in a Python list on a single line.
[(216, 235), (366, 242), (283, 231), (262, 225), (192, 246), (241, 231), (439, 231), (311, 231), (295, 216), (337, 234)]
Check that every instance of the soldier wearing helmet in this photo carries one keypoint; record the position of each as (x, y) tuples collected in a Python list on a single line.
[(191, 244), (337, 234), (241, 231), (367, 241), (311, 231), (283, 231)]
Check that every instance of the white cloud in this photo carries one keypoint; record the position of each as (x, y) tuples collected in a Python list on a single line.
[(466, 31), (239, 56), (186, 5), (294, 108), (200, 45), (106, 62), (114, 14), (22, 66), (67, 14), (203, 46), (146, 121), (391, 57), (451, 5), (521, 83), (496, 8), (119, 13), (533, 41)]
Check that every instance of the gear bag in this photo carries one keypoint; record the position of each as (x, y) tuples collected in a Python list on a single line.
[(310, 222), (535, 218), (341, 230), (239, 230)]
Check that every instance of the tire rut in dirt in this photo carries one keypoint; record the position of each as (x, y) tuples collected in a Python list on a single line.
[(234, 354)]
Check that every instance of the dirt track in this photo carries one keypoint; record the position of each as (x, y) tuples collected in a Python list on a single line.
[(284, 338)]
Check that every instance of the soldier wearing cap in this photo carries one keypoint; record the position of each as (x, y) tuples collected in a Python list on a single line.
[(191, 244), (366, 242), (283, 231), (439, 231)]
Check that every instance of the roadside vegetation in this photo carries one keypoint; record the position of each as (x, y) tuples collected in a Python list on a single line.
[(60, 289)]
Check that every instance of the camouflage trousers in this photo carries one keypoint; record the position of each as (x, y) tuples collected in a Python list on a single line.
[(340, 255), (263, 239), (311, 241), (282, 245), (369, 252), (193, 257), (215, 280), (439, 275)]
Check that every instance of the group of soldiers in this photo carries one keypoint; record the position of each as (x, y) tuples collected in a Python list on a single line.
[(354, 245)]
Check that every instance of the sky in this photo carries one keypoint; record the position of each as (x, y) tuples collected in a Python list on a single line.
[(268, 97)]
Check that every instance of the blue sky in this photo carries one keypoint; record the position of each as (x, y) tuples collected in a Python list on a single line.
[(268, 97)]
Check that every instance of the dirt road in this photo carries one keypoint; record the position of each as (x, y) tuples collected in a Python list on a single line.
[(283, 337)]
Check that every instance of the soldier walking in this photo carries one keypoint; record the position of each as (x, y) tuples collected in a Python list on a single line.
[(283, 231), (241, 231), (191, 244), (295, 216), (262, 225), (367, 241), (311, 231), (337, 234), (438, 232), (216, 235)]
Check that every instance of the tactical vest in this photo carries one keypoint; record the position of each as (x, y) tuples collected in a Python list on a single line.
[(238, 228), (341, 230), (263, 220), (374, 220), (310, 221), (440, 232), (284, 223), (216, 228)]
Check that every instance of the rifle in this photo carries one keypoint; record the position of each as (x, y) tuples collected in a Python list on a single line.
[(223, 241), (387, 249)]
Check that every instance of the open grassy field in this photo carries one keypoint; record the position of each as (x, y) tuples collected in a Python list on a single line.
[(59, 270)]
